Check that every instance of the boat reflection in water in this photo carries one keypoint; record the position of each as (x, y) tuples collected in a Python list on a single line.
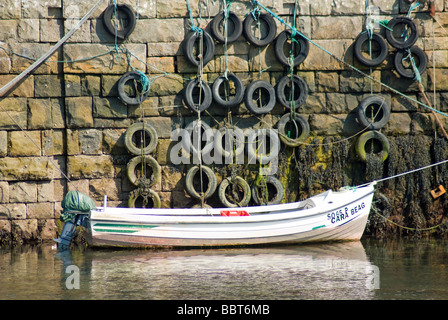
[(318, 271)]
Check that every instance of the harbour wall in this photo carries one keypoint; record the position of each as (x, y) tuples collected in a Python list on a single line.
[(62, 127)]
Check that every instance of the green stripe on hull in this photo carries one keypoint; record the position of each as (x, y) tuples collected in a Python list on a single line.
[(114, 225)]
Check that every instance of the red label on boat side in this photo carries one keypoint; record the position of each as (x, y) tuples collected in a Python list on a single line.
[(234, 213)]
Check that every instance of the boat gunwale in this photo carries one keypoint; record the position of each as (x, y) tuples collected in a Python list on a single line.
[(290, 214)]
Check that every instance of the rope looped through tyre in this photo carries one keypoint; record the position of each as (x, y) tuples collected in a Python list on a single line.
[(141, 138), (407, 71), (373, 112), (138, 95), (261, 191), (257, 146), (299, 55), (370, 61), (217, 27), (283, 91), (372, 144), (397, 32), (193, 55), (240, 193), (194, 188), (221, 82), (195, 90), (266, 21), (145, 194), (259, 97), (110, 21), (293, 132), (137, 171)]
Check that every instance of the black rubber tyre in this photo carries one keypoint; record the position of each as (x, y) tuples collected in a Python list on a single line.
[(142, 129), (364, 138), (370, 115), (189, 44), (191, 144), (239, 90), (300, 125), (137, 193), (190, 183), (255, 150), (301, 55), (260, 198), (268, 20), (189, 95), (139, 97), (236, 148), (395, 41), (139, 161), (217, 28), (266, 99), (408, 72), (109, 25), (226, 183), (300, 91), (357, 49)]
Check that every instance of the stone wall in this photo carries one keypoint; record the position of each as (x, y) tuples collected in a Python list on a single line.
[(66, 118)]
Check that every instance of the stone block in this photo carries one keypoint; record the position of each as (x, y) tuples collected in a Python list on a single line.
[(48, 86), (90, 167), (109, 107), (4, 192), (5, 62), (51, 30), (48, 229), (149, 108), (14, 211), (38, 9), (327, 81), (46, 191), (72, 85), (160, 49), (58, 113), (318, 59), (28, 30), (105, 61), (21, 144), (34, 51), (81, 35), (336, 27), (113, 141), (23, 89), (39, 116), (41, 210), (79, 112), (26, 168), (398, 124), (91, 85), (327, 125), (15, 108), (352, 81), (90, 141), (23, 192), (72, 142), (166, 86), (100, 187), (161, 64), (10, 9), (172, 178)]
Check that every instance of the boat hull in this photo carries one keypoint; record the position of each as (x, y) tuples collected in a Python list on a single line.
[(336, 216)]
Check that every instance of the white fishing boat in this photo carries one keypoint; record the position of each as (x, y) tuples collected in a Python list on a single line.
[(329, 216)]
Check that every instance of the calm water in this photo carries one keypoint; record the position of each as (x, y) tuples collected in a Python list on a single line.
[(368, 270)]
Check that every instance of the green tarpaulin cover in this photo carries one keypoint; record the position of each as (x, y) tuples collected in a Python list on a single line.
[(74, 203)]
